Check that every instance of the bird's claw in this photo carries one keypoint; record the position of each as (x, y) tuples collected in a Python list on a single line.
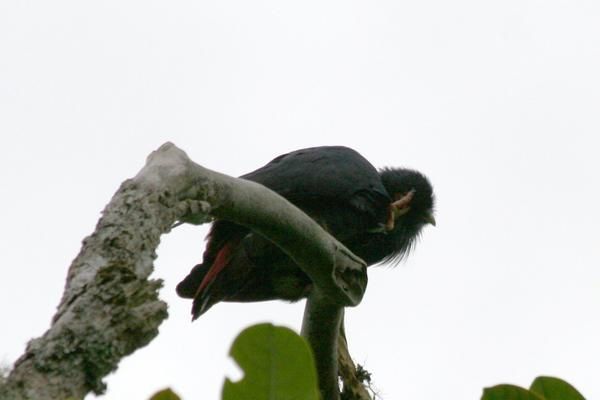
[(398, 208), (193, 212)]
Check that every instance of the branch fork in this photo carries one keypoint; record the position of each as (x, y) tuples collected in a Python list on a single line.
[(110, 307)]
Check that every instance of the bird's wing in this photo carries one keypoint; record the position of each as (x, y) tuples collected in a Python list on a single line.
[(326, 178)]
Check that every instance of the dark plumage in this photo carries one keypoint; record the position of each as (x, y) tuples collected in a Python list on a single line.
[(378, 215)]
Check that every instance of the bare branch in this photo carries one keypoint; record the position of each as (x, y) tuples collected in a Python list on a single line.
[(321, 326)]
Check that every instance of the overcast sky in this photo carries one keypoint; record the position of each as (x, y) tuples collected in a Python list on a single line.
[(497, 102)]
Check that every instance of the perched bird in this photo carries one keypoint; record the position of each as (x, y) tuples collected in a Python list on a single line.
[(378, 215)]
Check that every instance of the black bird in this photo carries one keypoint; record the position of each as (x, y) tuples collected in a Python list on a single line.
[(378, 215)]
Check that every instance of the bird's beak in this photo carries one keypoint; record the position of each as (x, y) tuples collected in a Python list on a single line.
[(429, 218)]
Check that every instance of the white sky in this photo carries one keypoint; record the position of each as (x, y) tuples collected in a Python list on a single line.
[(497, 102)]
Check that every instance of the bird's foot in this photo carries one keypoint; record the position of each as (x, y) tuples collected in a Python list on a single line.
[(398, 208), (195, 212)]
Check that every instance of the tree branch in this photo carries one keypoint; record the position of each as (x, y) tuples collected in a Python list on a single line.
[(110, 308), (321, 326), (354, 388)]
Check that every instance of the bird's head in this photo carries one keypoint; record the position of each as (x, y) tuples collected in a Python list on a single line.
[(412, 207)]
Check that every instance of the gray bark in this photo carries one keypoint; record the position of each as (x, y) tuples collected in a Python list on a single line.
[(321, 327), (110, 308)]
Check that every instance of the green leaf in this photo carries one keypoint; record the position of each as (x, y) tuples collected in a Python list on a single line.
[(278, 365), (165, 394), (555, 389), (509, 392)]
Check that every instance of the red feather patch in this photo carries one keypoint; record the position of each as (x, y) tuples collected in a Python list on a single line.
[(221, 261)]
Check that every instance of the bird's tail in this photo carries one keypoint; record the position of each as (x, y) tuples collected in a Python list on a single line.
[(188, 287), (197, 284)]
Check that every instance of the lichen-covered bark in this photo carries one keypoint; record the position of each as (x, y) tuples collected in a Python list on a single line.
[(353, 386), (110, 308)]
